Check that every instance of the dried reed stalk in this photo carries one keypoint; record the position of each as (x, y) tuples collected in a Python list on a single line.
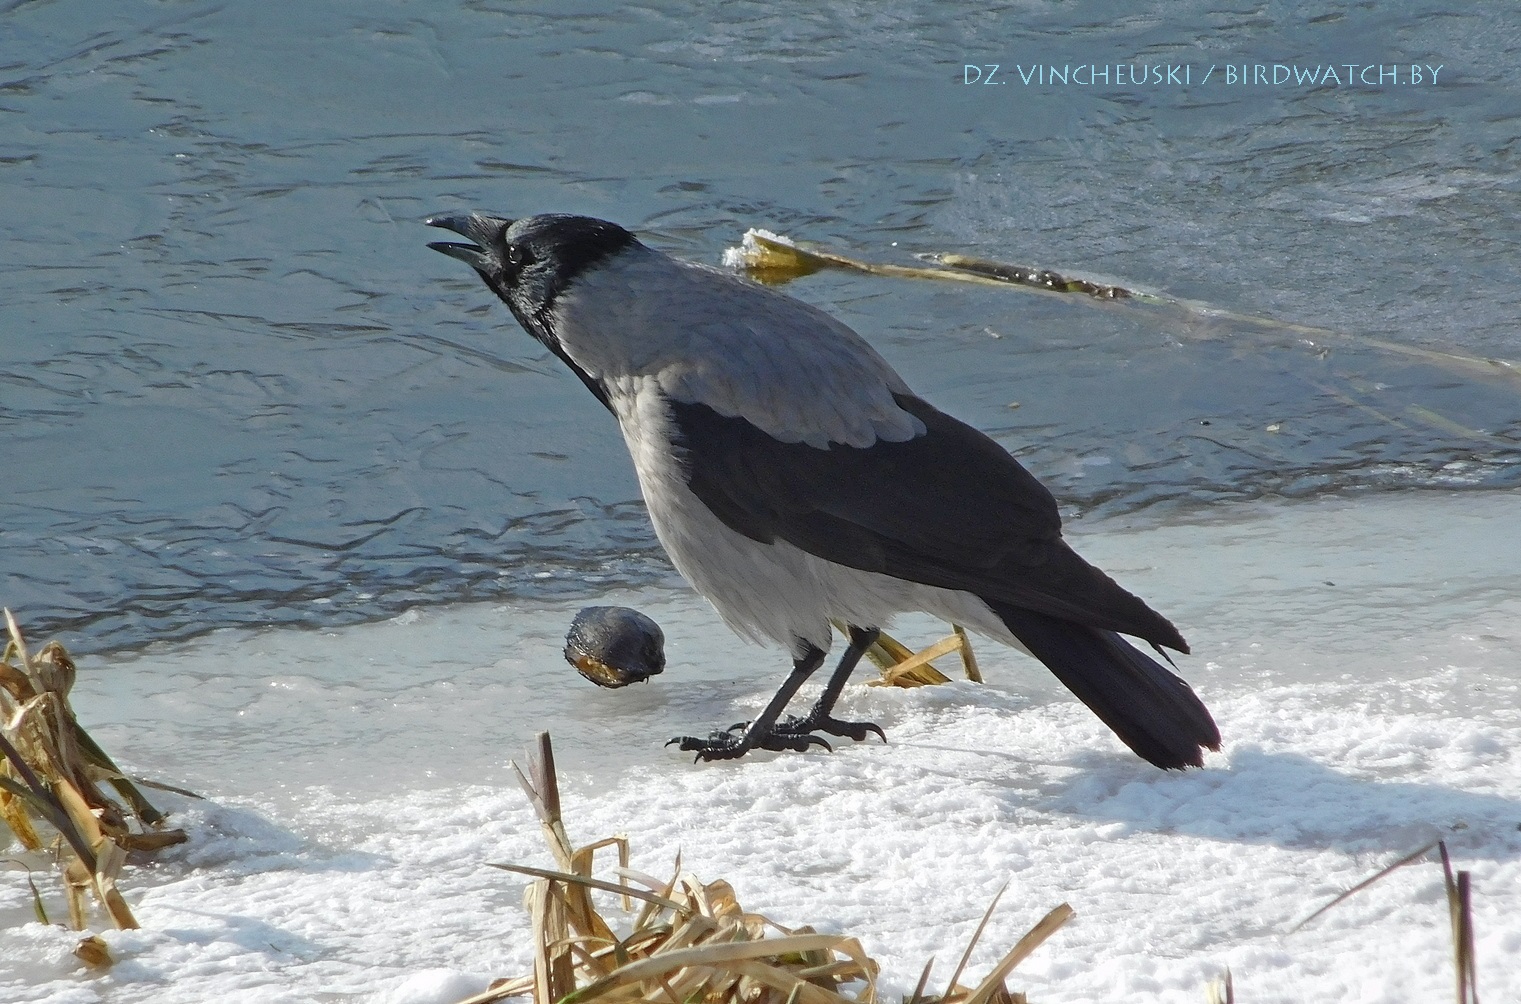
[(50, 770), (902, 667), (692, 942), (1459, 909), (774, 259)]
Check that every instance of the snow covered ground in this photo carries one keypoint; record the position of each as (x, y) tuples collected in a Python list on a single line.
[(1362, 657)]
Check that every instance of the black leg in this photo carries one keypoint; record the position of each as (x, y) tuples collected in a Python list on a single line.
[(820, 719), (762, 733)]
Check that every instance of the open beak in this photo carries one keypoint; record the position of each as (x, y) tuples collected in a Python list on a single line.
[(485, 231)]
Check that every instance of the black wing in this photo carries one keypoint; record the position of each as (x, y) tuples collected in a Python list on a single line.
[(950, 508)]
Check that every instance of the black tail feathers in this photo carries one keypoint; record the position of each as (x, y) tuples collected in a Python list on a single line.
[(1150, 708)]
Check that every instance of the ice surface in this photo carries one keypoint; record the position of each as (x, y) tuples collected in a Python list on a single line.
[(1361, 655)]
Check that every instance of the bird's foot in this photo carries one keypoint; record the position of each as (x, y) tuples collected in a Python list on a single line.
[(727, 745), (814, 722)]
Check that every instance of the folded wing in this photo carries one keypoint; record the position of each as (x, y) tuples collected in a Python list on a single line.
[(948, 508)]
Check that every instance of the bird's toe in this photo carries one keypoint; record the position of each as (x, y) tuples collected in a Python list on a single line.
[(726, 745), (831, 726)]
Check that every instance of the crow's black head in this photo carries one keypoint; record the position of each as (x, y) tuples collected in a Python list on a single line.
[(531, 261)]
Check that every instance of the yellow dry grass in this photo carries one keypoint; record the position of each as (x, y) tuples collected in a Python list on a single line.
[(774, 260), (1459, 889), (692, 941), (50, 776), (902, 667)]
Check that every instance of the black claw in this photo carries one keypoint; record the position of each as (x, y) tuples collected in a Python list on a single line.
[(782, 743), (727, 746), (792, 734), (690, 743), (832, 726)]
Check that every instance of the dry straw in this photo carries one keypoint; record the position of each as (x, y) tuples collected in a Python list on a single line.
[(691, 941), (50, 776), (1459, 910), (902, 667), (774, 259)]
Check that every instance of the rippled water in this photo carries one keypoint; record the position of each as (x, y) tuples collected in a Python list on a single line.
[(236, 388)]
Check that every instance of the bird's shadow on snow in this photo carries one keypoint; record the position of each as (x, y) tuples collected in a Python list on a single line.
[(1290, 800)]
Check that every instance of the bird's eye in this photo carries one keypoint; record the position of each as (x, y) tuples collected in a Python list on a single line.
[(516, 255)]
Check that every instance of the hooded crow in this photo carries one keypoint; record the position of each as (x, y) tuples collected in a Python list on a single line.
[(794, 478)]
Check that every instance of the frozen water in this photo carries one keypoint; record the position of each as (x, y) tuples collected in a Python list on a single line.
[(1362, 657)]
